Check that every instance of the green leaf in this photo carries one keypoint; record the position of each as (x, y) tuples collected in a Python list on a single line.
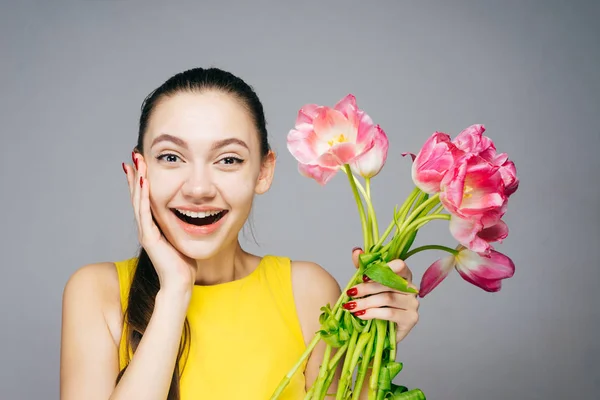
[(384, 382), (365, 259), (409, 243), (382, 273), (347, 322), (415, 394), (394, 368), (359, 325), (398, 389)]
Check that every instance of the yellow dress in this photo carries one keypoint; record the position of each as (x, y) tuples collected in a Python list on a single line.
[(245, 335)]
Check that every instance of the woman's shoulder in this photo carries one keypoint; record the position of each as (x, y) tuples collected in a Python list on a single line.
[(97, 279), (96, 288), (313, 287)]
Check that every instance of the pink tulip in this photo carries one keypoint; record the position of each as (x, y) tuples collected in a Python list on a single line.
[(435, 158), (472, 188), (471, 140), (486, 272), (370, 163), (474, 194), (331, 137)]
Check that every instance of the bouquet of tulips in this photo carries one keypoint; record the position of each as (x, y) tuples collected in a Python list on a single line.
[(464, 181)]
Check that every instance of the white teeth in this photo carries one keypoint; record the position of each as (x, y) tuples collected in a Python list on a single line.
[(201, 214)]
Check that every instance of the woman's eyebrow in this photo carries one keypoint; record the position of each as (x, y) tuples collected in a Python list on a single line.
[(222, 143), (165, 137)]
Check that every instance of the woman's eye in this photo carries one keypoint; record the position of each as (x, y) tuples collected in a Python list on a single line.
[(170, 158), (231, 160)]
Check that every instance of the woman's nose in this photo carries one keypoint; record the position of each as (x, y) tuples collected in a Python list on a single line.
[(199, 184)]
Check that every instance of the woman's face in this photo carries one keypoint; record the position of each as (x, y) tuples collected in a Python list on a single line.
[(204, 168)]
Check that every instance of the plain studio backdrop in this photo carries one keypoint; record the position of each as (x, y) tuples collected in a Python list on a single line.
[(73, 76)]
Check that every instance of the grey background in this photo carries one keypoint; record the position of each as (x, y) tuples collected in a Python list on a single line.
[(73, 76)]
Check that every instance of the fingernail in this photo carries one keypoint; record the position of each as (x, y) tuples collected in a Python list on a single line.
[(350, 306), (356, 248), (124, 169), (361, 312), (366, 278), (141, 182), (352, 292), (134, 159)]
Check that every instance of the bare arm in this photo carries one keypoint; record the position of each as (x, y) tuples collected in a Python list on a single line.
[(89, 356)]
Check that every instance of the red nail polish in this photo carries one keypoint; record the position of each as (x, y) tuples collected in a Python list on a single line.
[(352, 292), (361, 312), (366, 278), (141, 182), (124, 169), (350, 306), (134, 159)]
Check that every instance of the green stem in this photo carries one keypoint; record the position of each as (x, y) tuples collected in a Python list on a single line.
[(309, 394), (418, 223), (381, 326), (419, 198), (358, 185), (408, 203), (286, 380), (364, 365), (375, 226), (331, 370), (363, 339), (392, 330), (433, 199), (361, 209), (343, 383), (398, 217), (431, 247), (384, 236), (322, 373)]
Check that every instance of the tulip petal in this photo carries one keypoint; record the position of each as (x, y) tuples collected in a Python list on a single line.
[(331, 126), (485, 284), (371, 162), (302, 145), (433, 161), (306, 115), (347, 106), (509, 176), (472, 140), (320, 174), (344, 152), (494, 233), (365, 131), (495, 266), (465, 231), (435, 274), (338, 155)]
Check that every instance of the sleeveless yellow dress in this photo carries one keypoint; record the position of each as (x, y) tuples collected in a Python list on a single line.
[(245, 335)]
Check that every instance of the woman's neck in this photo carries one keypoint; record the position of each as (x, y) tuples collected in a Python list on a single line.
[(228, 265)]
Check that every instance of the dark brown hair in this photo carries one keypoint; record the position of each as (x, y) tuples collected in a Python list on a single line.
[(145, 283)]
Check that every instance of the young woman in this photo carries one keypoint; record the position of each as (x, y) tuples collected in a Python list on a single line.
[(193, 315)]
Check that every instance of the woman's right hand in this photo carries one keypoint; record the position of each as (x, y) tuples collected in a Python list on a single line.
[(176, 272)]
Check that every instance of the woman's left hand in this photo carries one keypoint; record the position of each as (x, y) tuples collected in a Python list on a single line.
[(372, 300)]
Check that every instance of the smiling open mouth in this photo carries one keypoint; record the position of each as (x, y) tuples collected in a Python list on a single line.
[(200, 219)]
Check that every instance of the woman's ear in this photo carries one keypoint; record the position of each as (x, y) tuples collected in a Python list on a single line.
[(265, 176)]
